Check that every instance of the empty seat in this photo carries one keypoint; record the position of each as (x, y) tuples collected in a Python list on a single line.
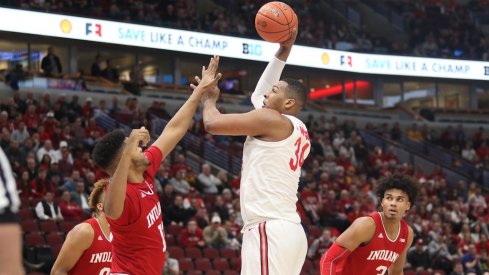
[(54, 239), (170, 240), (185, 264), (211, 253), (35, 239), (193, 252), (220, 264), (48, 226), (173, 230), (203, 264), (30, 226), (176, 252), (66, 226), (227, 253), (26, 214)]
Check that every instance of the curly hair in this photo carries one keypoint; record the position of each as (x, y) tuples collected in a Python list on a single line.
[(398, 181), (108, 148), (95, 196)]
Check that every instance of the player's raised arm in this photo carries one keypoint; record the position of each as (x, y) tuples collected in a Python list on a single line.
[(116, 192), (179, 124), (77, 241), (397, 268), (272, 72), (361, 231)]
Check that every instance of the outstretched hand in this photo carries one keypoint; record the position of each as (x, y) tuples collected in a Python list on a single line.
[(209, 77)]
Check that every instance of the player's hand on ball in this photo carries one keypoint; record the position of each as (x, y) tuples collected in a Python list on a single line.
[(290, 42)]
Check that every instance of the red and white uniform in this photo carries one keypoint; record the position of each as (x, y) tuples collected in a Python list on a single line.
[(97, 258), (380, 253), (138, 246), (268, 195)]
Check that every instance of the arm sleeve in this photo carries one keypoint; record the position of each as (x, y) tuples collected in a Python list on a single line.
[(333, 260), (270, 77)]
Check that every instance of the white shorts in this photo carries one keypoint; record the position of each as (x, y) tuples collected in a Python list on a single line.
[(273, 247)]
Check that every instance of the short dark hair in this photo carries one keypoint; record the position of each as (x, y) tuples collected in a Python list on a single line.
[(107, 149), (398, 181), (297, 90)]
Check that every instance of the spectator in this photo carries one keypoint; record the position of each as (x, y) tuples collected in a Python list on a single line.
[(209, 182), (42, 185), (220, 208), (47, 209), (438, 251), (96, 70), (13, 77), (468, 152), (176, 213), (458, 269), (24, 187), (320, 245), (50, 64), (179, 164), (80, 196), (171, 265), (418, 256), (168, 195), (215, 235), (470, 261), (192, 235), (70, 210), (202, 217), (110, 72), (180, 184), (20, 134), (46, 149), (31, 118)]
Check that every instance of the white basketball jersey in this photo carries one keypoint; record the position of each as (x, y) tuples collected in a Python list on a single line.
[(270, 176)]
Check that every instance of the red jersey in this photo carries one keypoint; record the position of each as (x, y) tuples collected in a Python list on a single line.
[(380, 253), (138, 246), (96, 259)]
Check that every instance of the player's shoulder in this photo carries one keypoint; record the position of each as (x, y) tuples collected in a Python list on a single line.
[(82, 230), (365, 222), (81, 235)]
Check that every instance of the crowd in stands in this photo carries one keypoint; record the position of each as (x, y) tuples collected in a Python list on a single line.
[(48, 141), (432, 28), (473, 149)]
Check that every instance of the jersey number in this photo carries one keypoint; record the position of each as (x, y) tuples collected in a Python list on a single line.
[(104, 271), (381, 269), (298, 160), (162, 233)]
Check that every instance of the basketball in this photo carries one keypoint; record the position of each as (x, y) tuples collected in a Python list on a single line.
[(275, 21)]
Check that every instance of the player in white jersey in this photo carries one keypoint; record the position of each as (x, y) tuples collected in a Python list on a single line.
[(277, 143)]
